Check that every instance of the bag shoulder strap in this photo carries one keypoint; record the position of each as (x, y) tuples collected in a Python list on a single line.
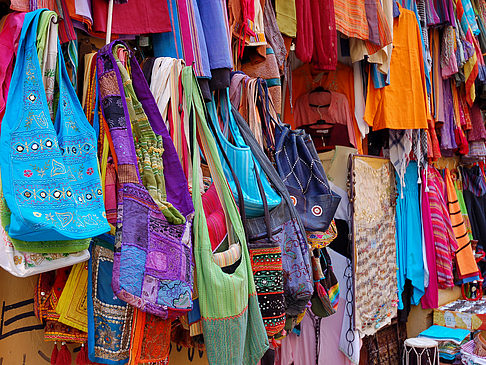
[(208, 146)]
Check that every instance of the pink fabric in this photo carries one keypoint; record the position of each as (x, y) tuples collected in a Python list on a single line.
[(110, 194), (9, 41), (316, 33), (338, 111), (431, 297), (134, 17), (299, 350), (305, 39), (331, 327), (478, 132)]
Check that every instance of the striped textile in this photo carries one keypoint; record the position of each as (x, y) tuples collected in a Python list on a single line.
[(466, 263), (66, 29), (267, 70), (228, 257), (382, 28), (471, 68), (333, 294), (351, 18), (186, 39), (445, 242)]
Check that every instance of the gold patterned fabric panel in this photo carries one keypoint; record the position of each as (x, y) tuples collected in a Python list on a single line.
[(375, 285)]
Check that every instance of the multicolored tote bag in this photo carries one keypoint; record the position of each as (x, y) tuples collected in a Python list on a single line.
[(153, 256), (233, 328), (50, 172)]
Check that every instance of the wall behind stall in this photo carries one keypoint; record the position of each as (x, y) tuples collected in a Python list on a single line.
[(420, 319), (22, 335)]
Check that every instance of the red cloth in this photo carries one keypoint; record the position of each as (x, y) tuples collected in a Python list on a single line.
[(316, 33), (134, 17)]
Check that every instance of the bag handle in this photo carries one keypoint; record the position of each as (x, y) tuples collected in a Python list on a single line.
[(241, 200), (264, 100), (266, 166), (201, 130)]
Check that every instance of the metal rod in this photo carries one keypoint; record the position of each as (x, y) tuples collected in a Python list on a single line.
[(109, 20)]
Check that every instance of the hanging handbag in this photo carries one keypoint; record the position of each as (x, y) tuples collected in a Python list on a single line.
[(303, 175), (50, 171), (297, 272), (263, 240), (325, 299), (232, 324), (23, 264), (153, 258), (245, 166)]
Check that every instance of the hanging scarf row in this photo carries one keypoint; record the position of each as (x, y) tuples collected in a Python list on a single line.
[(191, 228)]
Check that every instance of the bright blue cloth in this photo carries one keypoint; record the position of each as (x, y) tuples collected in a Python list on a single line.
[(445, 333), (409, 237), (471, 17), (380, 80), (169, 44), (215, 33)]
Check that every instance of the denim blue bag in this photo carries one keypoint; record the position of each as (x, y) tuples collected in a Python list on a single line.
[(50, 172), (301, 170)]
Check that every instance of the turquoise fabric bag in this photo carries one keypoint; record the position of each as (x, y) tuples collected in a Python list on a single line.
[(50, 173), (243, 163)]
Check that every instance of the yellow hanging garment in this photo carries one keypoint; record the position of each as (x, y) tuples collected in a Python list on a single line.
[(72, 305)]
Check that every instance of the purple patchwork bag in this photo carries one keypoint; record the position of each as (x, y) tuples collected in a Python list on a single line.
[(153, 258)]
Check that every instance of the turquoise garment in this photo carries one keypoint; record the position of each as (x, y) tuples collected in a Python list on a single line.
[(410, 260), (471, 17), (50, 174), (445, 333)]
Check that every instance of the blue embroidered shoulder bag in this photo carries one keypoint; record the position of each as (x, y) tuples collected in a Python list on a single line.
[(50, 171)]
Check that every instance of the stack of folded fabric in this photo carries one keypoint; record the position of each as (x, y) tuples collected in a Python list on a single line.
[(469, 356), (450, 341)]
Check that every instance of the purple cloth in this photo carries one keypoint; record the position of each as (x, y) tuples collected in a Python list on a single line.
[(152, 267), (432, 17), (445, 11), (178, 197), (372, 18), (448, 141)]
